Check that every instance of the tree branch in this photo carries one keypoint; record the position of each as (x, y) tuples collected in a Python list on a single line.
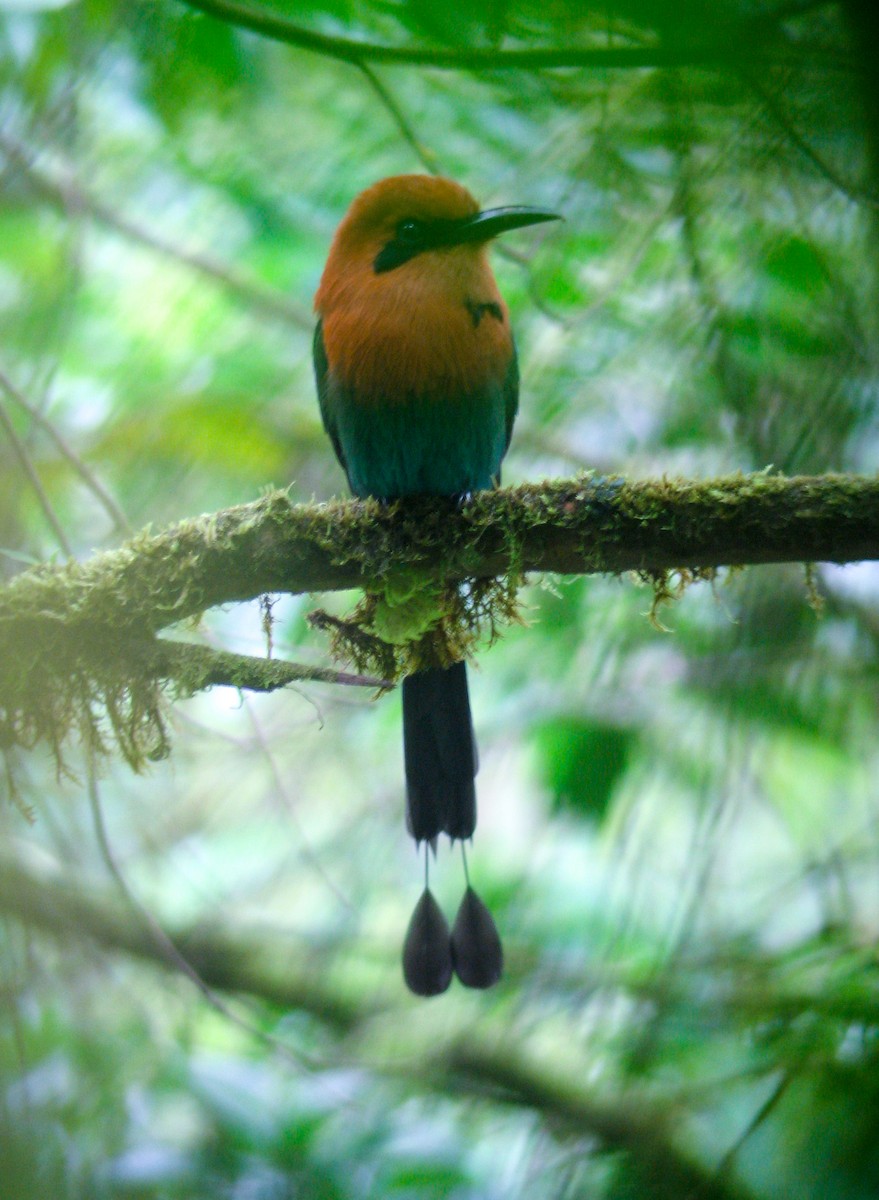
[(269, 24), (194, 668), (574, 526), (75, 638)]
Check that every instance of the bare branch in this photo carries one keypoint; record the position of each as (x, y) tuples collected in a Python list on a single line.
[(223, 959), (724, 53), (65, 193)]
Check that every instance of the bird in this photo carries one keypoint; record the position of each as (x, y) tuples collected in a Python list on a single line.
[(418, 387)]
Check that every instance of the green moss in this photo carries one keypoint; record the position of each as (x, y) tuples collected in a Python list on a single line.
[(411, 619), (436, 627)]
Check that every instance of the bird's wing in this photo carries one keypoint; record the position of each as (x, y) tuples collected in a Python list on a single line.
[(511, 396), (510, 392), (321, 376)]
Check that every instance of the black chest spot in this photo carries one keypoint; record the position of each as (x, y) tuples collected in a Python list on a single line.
[(478, 310)]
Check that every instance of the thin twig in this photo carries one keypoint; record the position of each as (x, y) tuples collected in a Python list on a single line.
[(165, 948), (428, 159), (91, 481), (199, 667), (20, 451), (307, 851), (854, 192), (765, 1109)]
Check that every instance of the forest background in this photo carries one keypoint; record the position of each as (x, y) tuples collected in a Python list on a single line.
[(200, 992)]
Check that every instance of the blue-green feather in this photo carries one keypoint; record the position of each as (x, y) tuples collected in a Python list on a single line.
[(424, 445)]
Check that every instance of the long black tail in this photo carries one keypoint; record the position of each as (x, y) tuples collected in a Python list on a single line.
[(439, 749)]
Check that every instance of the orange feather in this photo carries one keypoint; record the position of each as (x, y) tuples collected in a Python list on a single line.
[(409, 332)]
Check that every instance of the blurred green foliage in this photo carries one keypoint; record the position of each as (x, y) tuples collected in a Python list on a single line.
[(582, 763), (678, 830)]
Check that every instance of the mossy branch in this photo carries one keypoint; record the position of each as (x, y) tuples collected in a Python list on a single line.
[(192, 668), (81, 637)]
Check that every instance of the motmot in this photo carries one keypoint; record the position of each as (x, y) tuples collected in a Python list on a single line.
[(418, 385)]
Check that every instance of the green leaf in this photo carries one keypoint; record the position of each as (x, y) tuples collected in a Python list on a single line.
[(582, 763)]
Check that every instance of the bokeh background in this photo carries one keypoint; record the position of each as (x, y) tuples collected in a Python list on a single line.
[(678, 831)]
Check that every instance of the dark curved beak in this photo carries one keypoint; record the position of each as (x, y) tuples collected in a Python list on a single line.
[(488, 224)]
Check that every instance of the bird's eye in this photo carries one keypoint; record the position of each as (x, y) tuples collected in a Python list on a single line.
[(410, 231)]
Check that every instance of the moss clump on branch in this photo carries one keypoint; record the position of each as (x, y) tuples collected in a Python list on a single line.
[(464, 614), (78, 681), (413, 619)]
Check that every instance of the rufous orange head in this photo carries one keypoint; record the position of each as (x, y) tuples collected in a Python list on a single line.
[(423, 222), (406, 278)]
